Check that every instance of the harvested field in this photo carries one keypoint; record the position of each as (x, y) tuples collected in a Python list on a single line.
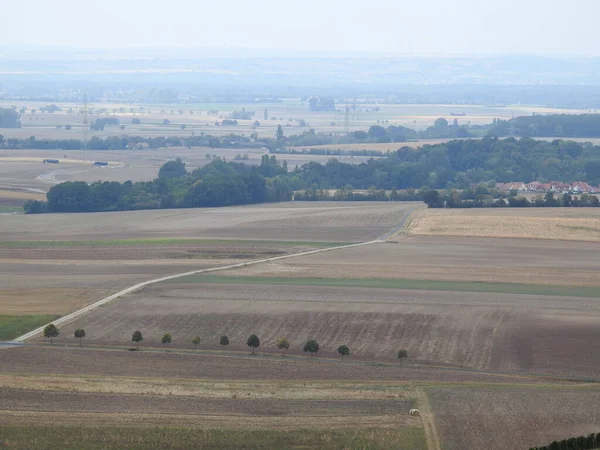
[(505, 332), (224, 365), (453, 259), (507, 419), (298, 221), (572, 224)]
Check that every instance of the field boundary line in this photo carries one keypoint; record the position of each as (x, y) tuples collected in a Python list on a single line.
[(432, 436), (76, 314)]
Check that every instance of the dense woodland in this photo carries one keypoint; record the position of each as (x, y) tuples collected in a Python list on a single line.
[(554, 125), (458, 164)]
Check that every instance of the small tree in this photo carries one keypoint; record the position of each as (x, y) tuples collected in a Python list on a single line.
[(79, 334), (51, 332), (166, 339), (312, 347), (253, 342), (343, 350), (196, 341), (137, 338), (224, 341), (402, 354), (283, 344)]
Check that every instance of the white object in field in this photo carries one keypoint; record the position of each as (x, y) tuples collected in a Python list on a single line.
[(414, 413)]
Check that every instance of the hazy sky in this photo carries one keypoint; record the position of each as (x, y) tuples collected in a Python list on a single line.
[(545, 27)]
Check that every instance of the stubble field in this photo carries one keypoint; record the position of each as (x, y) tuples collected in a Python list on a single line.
[(572, 224)]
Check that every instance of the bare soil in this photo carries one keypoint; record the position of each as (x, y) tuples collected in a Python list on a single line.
[(146, 363), (506, 419), (298, 221)]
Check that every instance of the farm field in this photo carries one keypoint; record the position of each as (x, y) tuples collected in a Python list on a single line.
[(287, 113), (486, 321), (318, 403), (451, 259), (572, 224), (295, 221), (58, 264), (509, 418)]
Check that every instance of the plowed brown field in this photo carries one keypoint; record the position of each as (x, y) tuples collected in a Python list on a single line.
[(507, 419), (299, 221)]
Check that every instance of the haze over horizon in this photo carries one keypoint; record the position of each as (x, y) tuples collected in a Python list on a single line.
[(392, 28)]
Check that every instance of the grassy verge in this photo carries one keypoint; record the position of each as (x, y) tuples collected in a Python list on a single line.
[(174, 241), (92, 438), (14, 326), (432, 285), (10, 209)]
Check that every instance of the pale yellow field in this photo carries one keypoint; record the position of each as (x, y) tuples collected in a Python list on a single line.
[(573, 224)]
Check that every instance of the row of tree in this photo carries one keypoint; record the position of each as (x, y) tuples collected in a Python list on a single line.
[(453, 199), (589, 442), (311, 346)]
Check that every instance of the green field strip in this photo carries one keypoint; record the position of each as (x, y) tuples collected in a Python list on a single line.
[(150, 437), (429, 285), (10, 209), (15, 326), (165, 241)]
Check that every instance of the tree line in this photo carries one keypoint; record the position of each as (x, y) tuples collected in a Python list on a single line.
[(590, 442), (311, 346), (462, 163), (553, 125), (453, 199)]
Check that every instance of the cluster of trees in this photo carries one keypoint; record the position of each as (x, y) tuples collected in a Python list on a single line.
[(589, 442), (9, 118), (321, 103), (242, 115), (99, 124), (219, 183), (554, 125), (453, 199)]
